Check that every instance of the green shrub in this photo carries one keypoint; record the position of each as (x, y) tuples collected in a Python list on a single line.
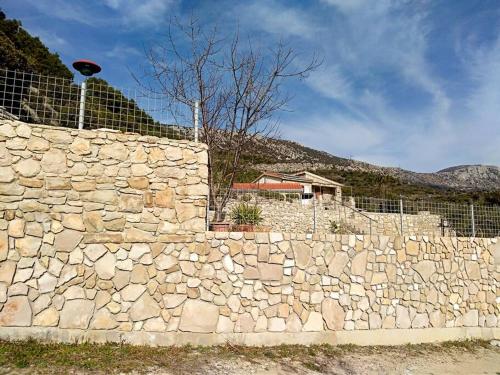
[(246, 197), (245, 213)]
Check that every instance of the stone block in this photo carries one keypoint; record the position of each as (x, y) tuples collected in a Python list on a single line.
[(131, 203), (16, 312), (116, 150), (314, 323), (333, 314), (67, 240), (28, 246), (47, 318), (192, 320), (270, 272), (144, 308), (338, 263), (54, 161), (26, 168), (76, 314), (425, 268)]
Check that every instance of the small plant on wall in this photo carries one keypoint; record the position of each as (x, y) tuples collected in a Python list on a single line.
[(341, 228), (246, 217)]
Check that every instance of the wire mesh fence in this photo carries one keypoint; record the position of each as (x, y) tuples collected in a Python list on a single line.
[(292, 211), (465, 220), (49, 100)]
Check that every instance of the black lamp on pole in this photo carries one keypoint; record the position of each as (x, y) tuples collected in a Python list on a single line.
[(87, 68)]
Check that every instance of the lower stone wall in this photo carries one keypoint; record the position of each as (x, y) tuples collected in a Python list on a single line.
[(210, 287)]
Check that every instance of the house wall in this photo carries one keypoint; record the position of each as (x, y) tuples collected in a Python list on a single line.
[(267, 179)]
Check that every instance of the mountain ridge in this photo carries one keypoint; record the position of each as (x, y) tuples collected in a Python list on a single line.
[(291, 156)]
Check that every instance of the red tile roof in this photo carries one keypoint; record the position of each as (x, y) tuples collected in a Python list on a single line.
[(284, 186)]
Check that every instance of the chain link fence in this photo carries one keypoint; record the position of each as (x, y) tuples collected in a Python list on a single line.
[(291, 211), (49, 100)]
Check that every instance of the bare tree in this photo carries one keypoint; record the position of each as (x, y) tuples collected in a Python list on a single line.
[(238, 90)]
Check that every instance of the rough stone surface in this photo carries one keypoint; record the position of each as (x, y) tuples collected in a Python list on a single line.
[(199, 316), (333, 314), (314, 322), (47, 318), (144, 308), (16, 312), (425, 268)]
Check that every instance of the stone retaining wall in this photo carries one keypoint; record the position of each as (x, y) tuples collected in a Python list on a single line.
[(201, 285), (102, 237), (58, 184), (295, 217)]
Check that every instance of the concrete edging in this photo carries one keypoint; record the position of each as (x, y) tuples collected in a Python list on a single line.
[(358, 337)]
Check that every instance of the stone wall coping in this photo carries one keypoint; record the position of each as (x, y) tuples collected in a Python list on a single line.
[(334, 237), (112, 134)]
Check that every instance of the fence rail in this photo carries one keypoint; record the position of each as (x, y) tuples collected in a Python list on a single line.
[(49, 100), (288, 211)]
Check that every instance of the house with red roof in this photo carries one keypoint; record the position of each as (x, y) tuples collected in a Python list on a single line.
[(305, 183)]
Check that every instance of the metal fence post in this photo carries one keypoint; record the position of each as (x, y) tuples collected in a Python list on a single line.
[(472, 220), (314, 214), (207, 213), (401, 214), (196, 105), (81, 114)]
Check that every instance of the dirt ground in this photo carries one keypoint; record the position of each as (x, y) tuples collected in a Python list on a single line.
[(457, 358)]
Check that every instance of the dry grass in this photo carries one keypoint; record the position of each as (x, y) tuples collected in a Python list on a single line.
[(113, 358)]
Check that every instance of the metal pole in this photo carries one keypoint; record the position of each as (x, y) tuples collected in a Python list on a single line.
[(208, 212), (401, 214), (314, 213), (196, 105), (81, 115), (472, 220)]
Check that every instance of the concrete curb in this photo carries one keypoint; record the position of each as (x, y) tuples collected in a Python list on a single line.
[(359, 337)]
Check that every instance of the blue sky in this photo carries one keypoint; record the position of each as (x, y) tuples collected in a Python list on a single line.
[(414, 84)]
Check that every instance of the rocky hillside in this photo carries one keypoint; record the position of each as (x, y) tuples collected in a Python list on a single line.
[(287, 156)]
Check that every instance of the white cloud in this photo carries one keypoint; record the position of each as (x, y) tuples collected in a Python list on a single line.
[(50, 39), (351, 5), (122, 52), (65, 10), (278, 19), (371, 45), (329, 81), (137, 13), (335, 133), (140, 12)]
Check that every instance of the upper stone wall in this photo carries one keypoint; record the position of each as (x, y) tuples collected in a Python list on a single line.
[(109, 186)]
